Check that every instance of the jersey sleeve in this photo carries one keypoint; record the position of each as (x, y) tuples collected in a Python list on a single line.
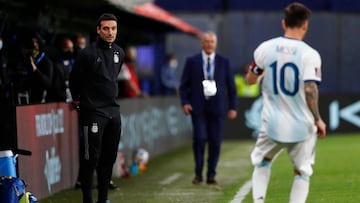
[(257, 66), (312, 66)]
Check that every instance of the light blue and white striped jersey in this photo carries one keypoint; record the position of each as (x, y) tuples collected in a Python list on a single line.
[(287, 64)]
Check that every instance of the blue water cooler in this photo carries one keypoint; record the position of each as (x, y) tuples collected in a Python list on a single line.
[(7, 163)]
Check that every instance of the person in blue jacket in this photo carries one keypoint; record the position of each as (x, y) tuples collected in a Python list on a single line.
[(208, 94)]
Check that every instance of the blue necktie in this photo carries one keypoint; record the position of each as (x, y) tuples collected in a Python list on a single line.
[(208, 69)]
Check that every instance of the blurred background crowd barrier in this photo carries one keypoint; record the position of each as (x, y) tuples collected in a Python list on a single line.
[(50, 132)]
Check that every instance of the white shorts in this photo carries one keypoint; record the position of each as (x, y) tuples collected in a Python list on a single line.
[(302, 153)]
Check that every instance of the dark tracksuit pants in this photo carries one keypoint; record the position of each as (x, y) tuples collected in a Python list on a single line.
[(98, 152)]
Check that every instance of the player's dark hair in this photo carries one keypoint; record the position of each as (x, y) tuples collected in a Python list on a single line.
[(106, 16), (296, 14)]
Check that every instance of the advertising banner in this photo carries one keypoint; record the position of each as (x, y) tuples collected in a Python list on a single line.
[(157, 125), (50, 132), (341, 114)]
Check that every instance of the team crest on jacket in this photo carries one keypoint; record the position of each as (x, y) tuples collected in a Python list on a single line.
[(116, 57), (94, 128)]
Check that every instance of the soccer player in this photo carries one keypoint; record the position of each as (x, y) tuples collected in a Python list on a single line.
[(290, 71)]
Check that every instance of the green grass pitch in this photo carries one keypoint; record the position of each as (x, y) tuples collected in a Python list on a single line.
[(168, 178)]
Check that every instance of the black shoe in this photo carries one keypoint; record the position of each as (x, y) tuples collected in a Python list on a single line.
[(107, 201), (211, 181), (112, 186), (197, 180), (77, 185)]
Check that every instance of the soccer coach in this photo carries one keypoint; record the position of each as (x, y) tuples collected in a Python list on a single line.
[(94, 87)]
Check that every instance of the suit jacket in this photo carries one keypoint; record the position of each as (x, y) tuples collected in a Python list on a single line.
[(191, 89)]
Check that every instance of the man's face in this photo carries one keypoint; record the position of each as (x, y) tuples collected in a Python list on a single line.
[(68, 46), (81, 42), (107, 30), (208, 43), (35, 43)]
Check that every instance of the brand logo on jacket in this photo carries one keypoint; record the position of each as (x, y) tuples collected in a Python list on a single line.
[(116, 57)]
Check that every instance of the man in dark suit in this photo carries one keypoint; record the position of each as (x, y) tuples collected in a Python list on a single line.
[(208, 93)]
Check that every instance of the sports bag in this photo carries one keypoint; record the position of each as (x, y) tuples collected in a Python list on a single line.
[(27, 197), (12, 190)]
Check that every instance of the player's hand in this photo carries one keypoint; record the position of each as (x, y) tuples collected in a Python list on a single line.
[(187, 108), (321, 126)]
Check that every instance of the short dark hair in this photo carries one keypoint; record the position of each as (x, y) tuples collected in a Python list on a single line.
[(41, 40), (106, 16), (296, 14)]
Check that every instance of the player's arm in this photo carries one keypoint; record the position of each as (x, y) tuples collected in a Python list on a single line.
[(312, 100), (254, 74)]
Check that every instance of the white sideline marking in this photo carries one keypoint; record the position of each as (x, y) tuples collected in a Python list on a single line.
[(243, 191), (171, 179)]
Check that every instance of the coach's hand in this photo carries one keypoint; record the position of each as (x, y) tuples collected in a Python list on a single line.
[(231, 114), (187, 108), (75, 105)]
